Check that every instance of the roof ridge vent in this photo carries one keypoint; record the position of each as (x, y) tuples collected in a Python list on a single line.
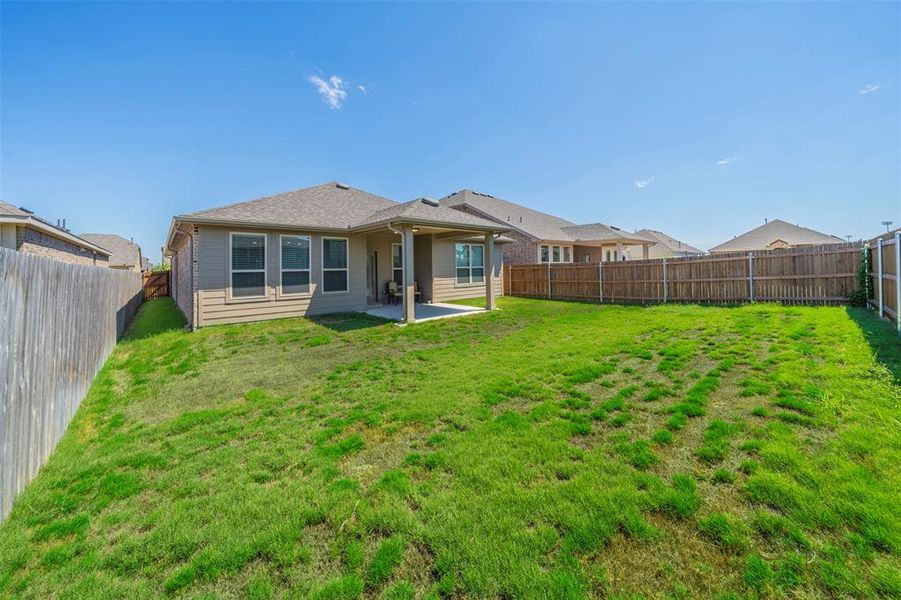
[(429, 201), (341, 186)]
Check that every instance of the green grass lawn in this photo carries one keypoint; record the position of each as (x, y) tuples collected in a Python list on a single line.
[(545, 450)]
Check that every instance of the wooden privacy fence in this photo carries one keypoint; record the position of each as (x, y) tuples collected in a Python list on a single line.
[(885, 258), (156, 284), (822, 275), (58, 324)]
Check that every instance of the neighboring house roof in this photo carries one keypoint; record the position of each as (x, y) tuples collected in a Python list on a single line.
[(601, 232), (333, 207), (534, 223), (8, 209), (668, 243), (125, 253), (24, 217), (776, 233)]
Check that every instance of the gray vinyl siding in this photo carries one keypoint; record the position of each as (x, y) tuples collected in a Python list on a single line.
[(444, 269), (217, 307)]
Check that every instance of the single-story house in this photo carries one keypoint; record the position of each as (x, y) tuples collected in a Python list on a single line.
[(668, 246), (126, 255), (542, 238), (773, 235), (328, 248), (23, 231)]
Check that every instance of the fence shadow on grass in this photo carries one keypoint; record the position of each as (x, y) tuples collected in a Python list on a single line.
[(153, 318), (882, 337)]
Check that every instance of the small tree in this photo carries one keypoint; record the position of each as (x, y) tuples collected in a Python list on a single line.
[(861, 295)]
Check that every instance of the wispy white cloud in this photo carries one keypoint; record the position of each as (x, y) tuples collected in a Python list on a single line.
[(725, 162), (333, 91), (870, 88), (362, 88), (643, 183)]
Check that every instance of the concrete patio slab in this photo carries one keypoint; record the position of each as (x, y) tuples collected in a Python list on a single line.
[(424, 312)]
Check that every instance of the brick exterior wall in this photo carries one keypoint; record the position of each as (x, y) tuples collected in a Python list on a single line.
[(522, 250), (35, 242), (183, 267)]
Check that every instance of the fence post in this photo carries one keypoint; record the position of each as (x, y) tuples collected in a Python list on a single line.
[(898, 281), (751, 276), (665, 290), (601, 278), (549, 280), (879, 275)]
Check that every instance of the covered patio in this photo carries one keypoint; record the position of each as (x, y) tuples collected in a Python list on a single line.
[(424, 312), (420, 255)]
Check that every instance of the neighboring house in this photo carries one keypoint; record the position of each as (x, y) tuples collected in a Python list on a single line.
[(126, 255), (23, 231), (146, 265), (324, 249), (541, 238), (667, 246), (776, 234)]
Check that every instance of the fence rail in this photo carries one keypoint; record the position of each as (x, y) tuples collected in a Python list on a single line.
[(58, 324), (820, 275)]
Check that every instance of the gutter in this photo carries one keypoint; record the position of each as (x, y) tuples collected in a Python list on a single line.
[(55, 232)]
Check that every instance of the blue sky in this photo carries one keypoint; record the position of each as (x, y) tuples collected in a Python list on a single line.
[(697, 119)]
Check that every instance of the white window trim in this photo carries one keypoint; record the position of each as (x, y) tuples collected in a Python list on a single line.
[(281, 292), (540, 246), (345, 269), (485, 271), (265, 295), (402, 265)]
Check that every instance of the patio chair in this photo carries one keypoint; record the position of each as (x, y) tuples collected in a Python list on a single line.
[(392, 291)]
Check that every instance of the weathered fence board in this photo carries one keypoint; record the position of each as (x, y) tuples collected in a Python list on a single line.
[(156, 284), (821, 275), (885, 258), (58, 324)]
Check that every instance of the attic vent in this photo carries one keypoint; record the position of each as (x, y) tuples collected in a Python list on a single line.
[(342, 186), (429, 201)]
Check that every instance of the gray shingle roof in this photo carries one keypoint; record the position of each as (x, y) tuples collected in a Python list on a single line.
[(420, 211), (531, 222), (601, 232), (535, 223), (761, 237), (327, 206), (8, 209), (667, 244), (124, 252)]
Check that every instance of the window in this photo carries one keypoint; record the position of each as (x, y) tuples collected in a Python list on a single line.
[(566, 254), (397, 264), (586, 258), (295, 264), (608, 255), (555, 255), (248, 265), (470, 263), (334, 265), (544, 254)]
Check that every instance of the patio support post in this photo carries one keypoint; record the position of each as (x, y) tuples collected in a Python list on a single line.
[(409, 284), (645, 252), (619, 251), (489, 272)]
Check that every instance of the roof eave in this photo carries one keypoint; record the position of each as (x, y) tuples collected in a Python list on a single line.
[(53, 231), (427, 223)]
